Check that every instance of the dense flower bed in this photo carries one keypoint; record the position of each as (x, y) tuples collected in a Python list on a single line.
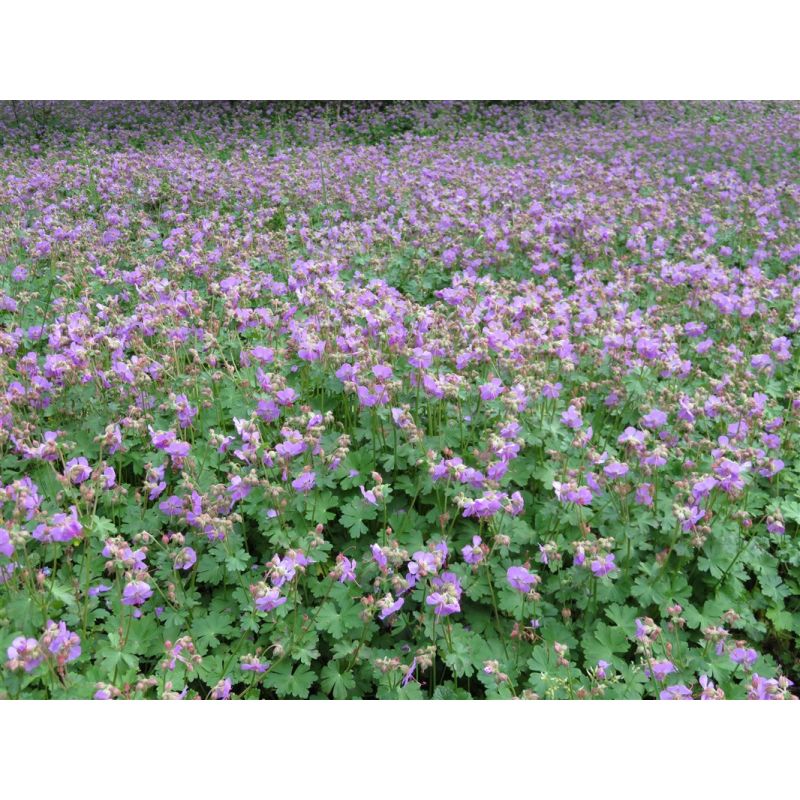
[(399, 401)]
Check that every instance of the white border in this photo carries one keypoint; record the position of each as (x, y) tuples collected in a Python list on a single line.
[(452, 750), (383, 50), (397, 49)]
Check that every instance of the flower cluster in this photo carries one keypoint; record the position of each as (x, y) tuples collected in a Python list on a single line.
[(399, 400)]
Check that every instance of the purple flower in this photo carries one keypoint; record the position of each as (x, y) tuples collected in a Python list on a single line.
[(264, 355), (776, 526), (62, 643), (388, 606), (379, 556), (222, 691), (186, 412), (172, 506), (293, 444), (369, 399), (491, 390), (473, 553), (185, 558), (423, 563), (282, 570), (515, 504), (154, 482), (615, 470), (654, 419), (267, 410), (421, 359), (65, 527), (746, 656), (660, 669), (602, 565), (580, 495), (644, 494), (446, 600), (769, 688), (572, 418), (254, 664), (62, 528), (369, 496), (631, 436), (692, 515), (703, 487), (710, 692), (25, 494), (346, 569), (441, 548), (521, 579), (136, 593), (24, 653), (238, 489), (551, 391), (110, 477), (178, 451), (305, 482), (268, 598), (6, 546), (410, 672), (761, 361), (286, 397), (483, 507), (78, 470), (676, 692)]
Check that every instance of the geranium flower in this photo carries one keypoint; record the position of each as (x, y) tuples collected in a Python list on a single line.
[(521, 579), (473, 553), (136, 593), (305, 482), (446, 599)]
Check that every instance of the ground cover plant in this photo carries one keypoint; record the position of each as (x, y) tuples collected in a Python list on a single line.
[(410, 400)]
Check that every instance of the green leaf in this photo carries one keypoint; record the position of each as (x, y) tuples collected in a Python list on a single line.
[(318, 509), (783, 620), (305, 649), (337, 683), (238, 561), (123, 663), (329, 619), (460, 659), (290, 682), (207, 629), (209, 570), (354, 513), (773, 587), (623, 616), (604, 642), (103, 528), (63, 595)]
